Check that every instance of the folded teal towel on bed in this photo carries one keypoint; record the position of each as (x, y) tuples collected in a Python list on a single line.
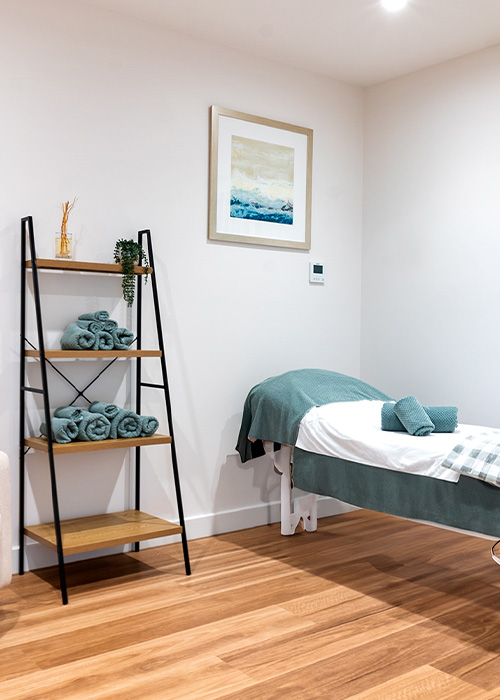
[(63, 429), (76, 338), (103, 341), (149, 425), (74, 413), (126, 424), (122, 338), (445, 418), (94, 316), (93, 426), (110, 410), (413, 416)]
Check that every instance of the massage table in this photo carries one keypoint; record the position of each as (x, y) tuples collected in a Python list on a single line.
[(293, 418)]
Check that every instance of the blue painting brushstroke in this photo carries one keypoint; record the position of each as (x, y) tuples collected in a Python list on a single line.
[(254, 205)]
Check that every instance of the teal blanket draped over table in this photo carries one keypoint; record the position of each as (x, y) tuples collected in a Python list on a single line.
[(274, 408)]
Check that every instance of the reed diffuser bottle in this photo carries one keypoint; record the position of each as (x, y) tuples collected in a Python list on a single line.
[(64, 239)]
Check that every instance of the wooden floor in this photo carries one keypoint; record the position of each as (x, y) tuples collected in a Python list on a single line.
[(368, 607)]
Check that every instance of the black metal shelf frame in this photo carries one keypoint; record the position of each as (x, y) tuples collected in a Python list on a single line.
[(144, 236)]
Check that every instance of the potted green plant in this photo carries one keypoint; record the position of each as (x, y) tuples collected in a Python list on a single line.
[(128, 253)]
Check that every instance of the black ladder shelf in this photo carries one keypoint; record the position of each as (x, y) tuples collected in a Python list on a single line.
[(109, 529)]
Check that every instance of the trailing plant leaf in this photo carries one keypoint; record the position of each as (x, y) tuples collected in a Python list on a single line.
[(128, 253)]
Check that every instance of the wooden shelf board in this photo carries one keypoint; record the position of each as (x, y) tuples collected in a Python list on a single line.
[(40, 443), (100, 531), (87, 354), (78, 266)]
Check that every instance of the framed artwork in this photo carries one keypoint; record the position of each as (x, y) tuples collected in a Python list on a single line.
[(260, 181)]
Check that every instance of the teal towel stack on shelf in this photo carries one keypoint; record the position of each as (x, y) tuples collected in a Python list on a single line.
[(102, 421), (88, 425), (125, 423), (96, 331)]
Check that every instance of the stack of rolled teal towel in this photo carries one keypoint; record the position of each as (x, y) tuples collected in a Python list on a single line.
[(124, 423), (409, 415), (96, 331), (100, 422)]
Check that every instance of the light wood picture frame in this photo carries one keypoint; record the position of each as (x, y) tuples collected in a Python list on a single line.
[(260, 181)]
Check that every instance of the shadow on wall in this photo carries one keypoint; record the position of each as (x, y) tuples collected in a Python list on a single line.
[(245, 495)]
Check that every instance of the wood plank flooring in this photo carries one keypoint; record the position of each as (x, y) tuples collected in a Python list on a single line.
[(369, 607)]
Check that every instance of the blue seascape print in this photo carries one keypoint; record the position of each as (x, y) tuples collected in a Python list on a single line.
[(261, 181), (253, 205)]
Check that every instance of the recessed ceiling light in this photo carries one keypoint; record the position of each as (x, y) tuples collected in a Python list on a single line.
[(394, 5)]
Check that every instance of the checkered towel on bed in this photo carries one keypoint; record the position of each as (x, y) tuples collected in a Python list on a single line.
[(477, 456)]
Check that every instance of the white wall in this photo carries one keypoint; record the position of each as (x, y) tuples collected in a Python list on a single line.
[(431, 245), (116, 112)]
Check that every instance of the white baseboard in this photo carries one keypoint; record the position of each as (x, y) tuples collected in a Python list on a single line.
[(37, 556)]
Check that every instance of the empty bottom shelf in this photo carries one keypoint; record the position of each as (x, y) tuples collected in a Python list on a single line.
[(100, 531)]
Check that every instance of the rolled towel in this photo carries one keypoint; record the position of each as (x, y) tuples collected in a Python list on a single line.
[(94, 316), (445, 418), (72, 412), (122, 338), (76, 338), (63, 429), (413, 416), (126, 424), (93, 426), (149, 425), (110, 410), (110, 325), (92, 326), (103, 341)]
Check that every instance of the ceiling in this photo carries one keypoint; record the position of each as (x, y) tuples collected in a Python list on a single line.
[(352, 40)]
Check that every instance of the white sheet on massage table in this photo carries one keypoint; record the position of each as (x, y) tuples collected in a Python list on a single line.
[(351, 431)]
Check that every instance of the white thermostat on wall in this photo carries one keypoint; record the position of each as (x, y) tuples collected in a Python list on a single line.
[(316, 273)]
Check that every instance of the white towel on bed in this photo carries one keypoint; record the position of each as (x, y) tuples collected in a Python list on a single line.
[(352, 431)]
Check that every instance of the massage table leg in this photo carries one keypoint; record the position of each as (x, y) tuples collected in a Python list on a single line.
[(301, 511)]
